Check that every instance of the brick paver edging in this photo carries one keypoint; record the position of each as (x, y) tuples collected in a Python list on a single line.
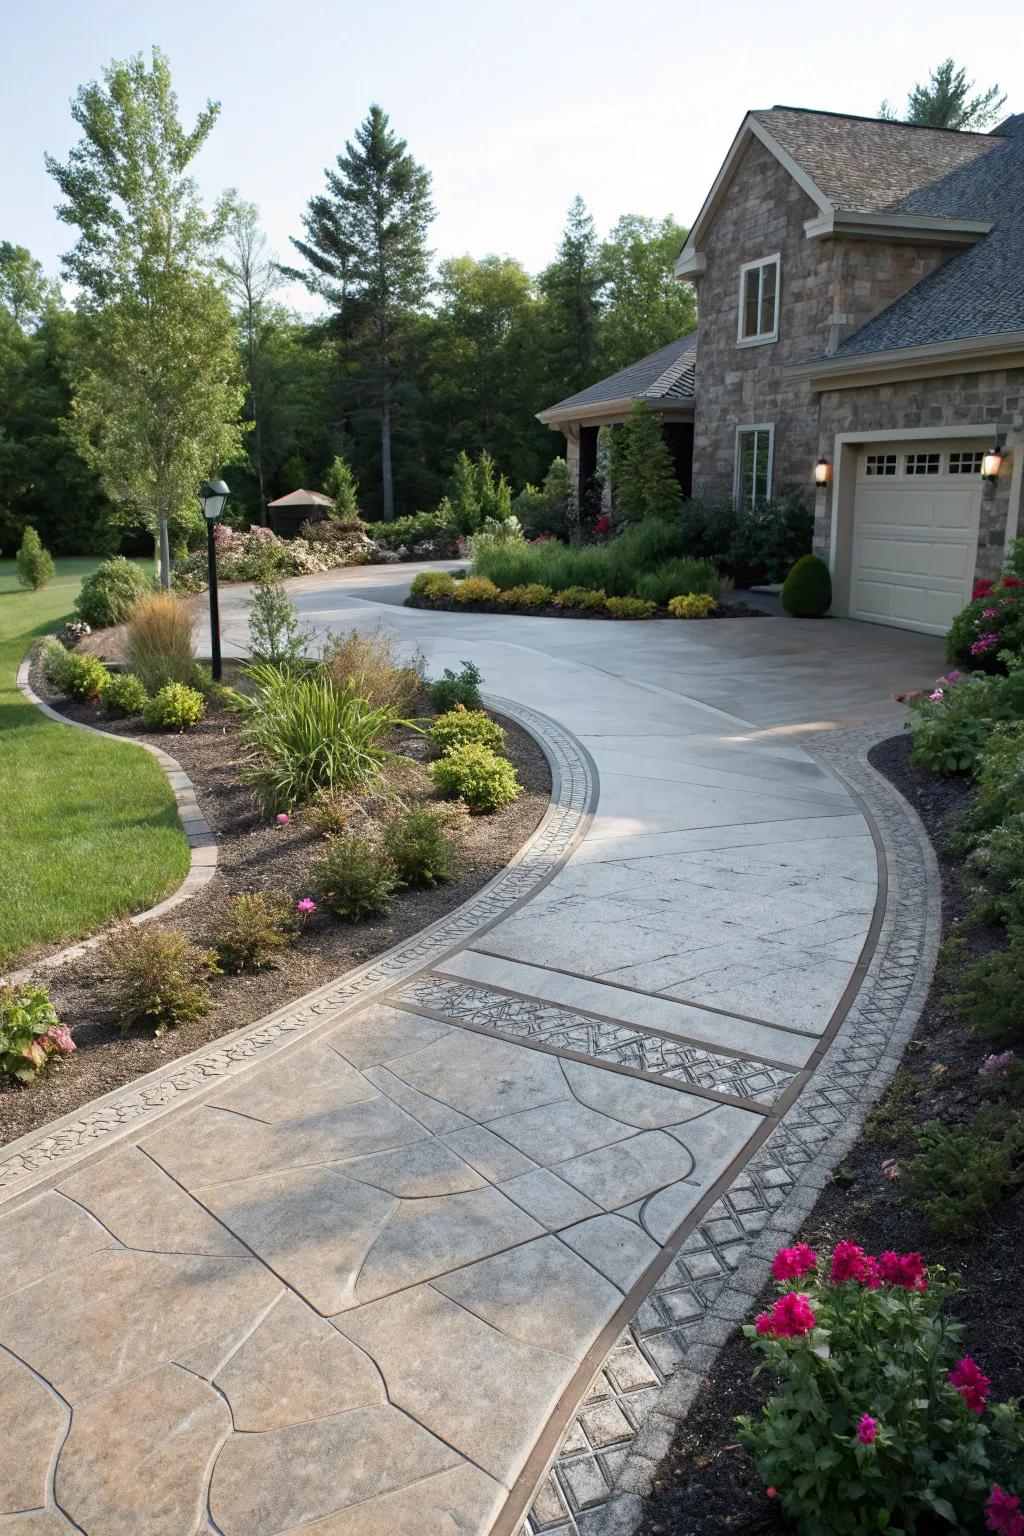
[(201, 841)]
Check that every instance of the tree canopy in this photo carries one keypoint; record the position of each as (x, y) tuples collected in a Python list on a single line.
[(945, 101)]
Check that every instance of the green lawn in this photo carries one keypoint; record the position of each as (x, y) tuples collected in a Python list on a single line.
[(88, 827)]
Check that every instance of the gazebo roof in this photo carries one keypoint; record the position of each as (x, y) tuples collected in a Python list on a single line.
[(302, 498)]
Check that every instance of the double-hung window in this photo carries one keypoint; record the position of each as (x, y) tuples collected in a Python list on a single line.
[(752, 482), (759, 302)]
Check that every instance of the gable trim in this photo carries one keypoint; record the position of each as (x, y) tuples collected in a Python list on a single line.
[(920, 229)]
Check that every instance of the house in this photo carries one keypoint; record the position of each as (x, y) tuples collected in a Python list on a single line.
[(860, 290)]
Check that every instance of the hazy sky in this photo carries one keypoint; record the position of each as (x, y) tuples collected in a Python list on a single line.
[(514, 107)]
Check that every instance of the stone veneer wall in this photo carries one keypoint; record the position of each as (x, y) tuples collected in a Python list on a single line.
[(828, 289), (964, 399)]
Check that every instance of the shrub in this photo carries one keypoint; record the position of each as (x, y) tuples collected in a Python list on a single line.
[(989, 991), (123, 694), (420, 847), (32, 562), (175, 707), (991, 624), (952, 726), (961, 1172), (158, 641), (30, 1033), (429, 535), (692, 605), (158, 977), (631, 608), (110, 592), (372, 664), (475, 774), (274, 634), (329, 813), (305, 734), (998, 863), (531, 596), (252, 928), (585, 598), (432, 585), (80, 675), (807, 590), (751, 544), (342, 487), (460, 726), (476, 589), (874, 1423), (677, 578), (644, 483), (355, 879), (495, 534), (452, 688)]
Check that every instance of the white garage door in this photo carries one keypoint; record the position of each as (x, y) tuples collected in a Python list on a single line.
[(915, 532)]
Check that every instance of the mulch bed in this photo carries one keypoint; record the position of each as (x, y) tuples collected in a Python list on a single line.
[(707, 1484), (253, 855), (736, 610)]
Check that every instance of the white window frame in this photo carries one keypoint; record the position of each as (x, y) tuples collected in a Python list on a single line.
[(754, 426), (763, 337)]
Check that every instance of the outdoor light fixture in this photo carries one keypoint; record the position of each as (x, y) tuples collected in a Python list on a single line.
[(213, 494), (990, 463), (822, 473)]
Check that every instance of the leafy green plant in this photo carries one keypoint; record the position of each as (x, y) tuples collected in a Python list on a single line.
[(433, 585), (807, 590), (990, 625), (175, 707), (355, 879), (692, 605), (123, 694), (429, 534), (631, 608), (533, 595), (952, 727), (76, 673), (476, 589), (253, 927), (30, 1033), (475, 774), (32, 563), (274, 634), (420, 846), (962, 1171), (586, 599), (109, 593), (158, 641), (305, 734), (461, 725), (989, 991), (158, 979), (452, 688)]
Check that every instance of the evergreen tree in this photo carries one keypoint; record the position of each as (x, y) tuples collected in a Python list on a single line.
[(366, 248), (33, 563), (341, 485), (643, 480), (944, 101), (644, 306), (571, 287)]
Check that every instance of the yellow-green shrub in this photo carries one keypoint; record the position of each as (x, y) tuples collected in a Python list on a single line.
[(631, 608), (692, 605), (475, 774), (460, 726), (432, 584), (530, 596), (476, 589), (176, 707), (589, 599)]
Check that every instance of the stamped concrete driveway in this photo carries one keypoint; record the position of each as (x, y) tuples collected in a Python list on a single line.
[(351, 1273)]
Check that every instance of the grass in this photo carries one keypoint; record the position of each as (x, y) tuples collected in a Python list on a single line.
[(89, 830), (647, 560)]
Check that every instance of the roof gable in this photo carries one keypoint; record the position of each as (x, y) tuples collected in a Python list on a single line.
[(664, 376)]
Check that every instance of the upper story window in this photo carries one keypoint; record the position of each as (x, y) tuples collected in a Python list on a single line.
[(752, 481), (759, 301)]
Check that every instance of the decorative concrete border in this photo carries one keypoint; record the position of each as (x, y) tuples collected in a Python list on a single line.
[(198, 833), (593, 1482), (44, 1155)]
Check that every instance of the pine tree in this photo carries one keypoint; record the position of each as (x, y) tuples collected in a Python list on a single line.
[(32, 562), (643, 480), (945, 102), (366, 248), (571, 287), (341, 485)]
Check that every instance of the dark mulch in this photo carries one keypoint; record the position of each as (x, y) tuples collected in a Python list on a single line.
[(254, 855), (707, 1485), (729, 610)]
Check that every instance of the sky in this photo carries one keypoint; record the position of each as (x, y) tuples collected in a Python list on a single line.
[(513, 105)]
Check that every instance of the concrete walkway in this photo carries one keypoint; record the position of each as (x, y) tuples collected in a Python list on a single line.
[(351, 1273)]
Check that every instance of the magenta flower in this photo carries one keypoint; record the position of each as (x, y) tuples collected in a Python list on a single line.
[(867, 1429), (792, 1316), (983, 643), (1003, 1513), (952, 677), (937, 696), (997, 1066), (282, 818), (763, 1323), (850, 1262), (991, 613), (970, 1381), (306, 905), (906, 1270), (791, 1263), (61, 1038)]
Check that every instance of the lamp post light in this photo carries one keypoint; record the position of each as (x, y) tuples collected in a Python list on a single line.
[(213, 494), (822, 474)]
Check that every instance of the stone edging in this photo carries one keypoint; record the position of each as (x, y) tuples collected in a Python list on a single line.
[(44, 1155), (722, 1265), (198, 833)]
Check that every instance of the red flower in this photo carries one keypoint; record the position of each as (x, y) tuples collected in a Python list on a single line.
[(982, 587), (603, 524), (763, 1323), (1003, 1513), (906, 1270), (792, 1316), (791, 1263), (1010, 581), (850, 1262), (971, 1382)]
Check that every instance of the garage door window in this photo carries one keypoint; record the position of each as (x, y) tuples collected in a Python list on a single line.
[(923, 463), (966, 463), (752, 483), (880, 464)]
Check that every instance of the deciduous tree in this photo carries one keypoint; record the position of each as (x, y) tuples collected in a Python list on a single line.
[(644, 306)]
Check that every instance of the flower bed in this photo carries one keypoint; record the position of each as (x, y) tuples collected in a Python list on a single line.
[(584, 604), (257, 553)]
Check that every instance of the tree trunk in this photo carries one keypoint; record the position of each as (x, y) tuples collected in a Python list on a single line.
[(164, 555), (387, 482)]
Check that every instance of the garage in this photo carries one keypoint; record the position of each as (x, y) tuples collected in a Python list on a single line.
[(915, 532)]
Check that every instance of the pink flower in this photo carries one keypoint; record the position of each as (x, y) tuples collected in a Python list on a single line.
[(763, 1323), (791, 1263), (61, 1038), (307, 904), (1003, 1513), (792, 1316), (891, 1168), (937, 696), (282, 818), (991, 613), (867, 1429), (952, 677), (983, 643), (772, 1493), (971, 1382), (906, 1270), (997, 1066), (850, 1262)]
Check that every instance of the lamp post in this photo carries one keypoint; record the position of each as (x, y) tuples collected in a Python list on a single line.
[(213, 494)]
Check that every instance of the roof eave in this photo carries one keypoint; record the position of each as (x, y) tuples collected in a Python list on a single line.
[(920, 229), (610, 411), (972, 354)]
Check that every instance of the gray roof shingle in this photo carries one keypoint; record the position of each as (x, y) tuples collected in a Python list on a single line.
[(665, 375)]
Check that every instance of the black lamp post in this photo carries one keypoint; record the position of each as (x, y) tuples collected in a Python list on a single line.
[(213, 494)]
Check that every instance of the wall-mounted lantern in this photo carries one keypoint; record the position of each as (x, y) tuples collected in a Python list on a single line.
[(991, 461), (822, 473)]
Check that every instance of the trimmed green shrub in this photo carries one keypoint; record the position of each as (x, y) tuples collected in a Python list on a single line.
[(32, 562), (533, 595), (631, 608), (989, 991), (81, 675), (429, 534), (432, 585), (475, 774), (252, 928), (30, 1033), (420, 847), (52, 656), (807, 590), (158, 979), (461, 725), (452, 688), (111, 591), (586, 599), (354, 879), (692, 605), (123, 694), (962, 1171), (176, 707), (475, 589)]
